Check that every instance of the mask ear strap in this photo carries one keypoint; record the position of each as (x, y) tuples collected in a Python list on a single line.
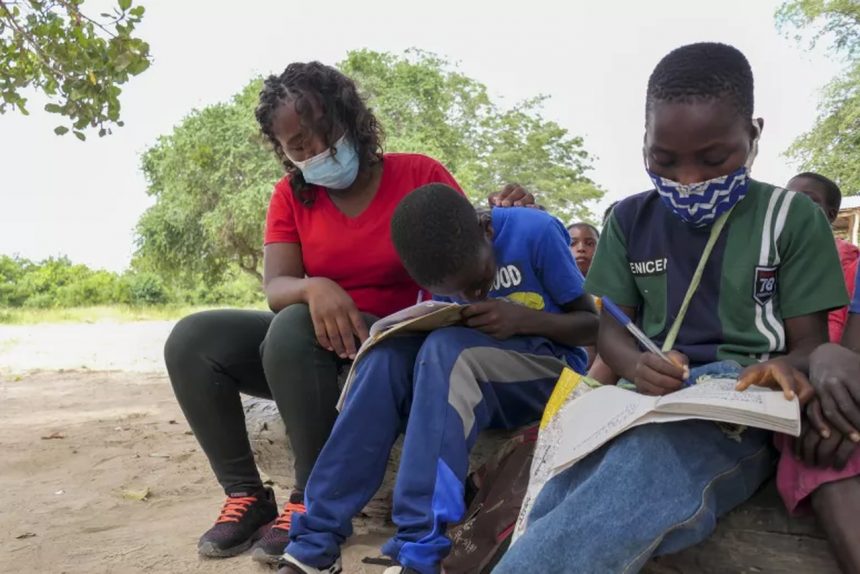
[(754, 148)]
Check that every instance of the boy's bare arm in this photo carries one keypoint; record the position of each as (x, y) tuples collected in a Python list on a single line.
[(803, 335)]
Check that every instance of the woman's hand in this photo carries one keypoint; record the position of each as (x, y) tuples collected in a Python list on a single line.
[(656, 376), (835, 374), (513, 195), (777, 374), (337, 321)]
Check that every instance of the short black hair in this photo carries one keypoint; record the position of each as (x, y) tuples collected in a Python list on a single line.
[(586, 225), (832, 193), (342, 107), (436, 233), (703, 71)]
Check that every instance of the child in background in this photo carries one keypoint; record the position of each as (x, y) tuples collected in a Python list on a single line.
[(827, 477), (442, 389), (764, 295), (821, 469), (583, 243), (827, 195)]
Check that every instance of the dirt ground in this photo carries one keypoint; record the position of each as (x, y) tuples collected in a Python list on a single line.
[(81, 445)]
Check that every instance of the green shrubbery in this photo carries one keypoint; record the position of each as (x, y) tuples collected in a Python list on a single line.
[(58, 283)]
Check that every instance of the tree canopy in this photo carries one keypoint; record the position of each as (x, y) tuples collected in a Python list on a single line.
[(832, 146), (78, 61), (426, 105), (213, 175), (211, 179)]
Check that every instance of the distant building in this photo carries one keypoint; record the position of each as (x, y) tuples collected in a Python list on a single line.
[(847, 224)]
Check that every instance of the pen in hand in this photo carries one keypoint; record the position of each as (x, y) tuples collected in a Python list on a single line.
[(640, 336)]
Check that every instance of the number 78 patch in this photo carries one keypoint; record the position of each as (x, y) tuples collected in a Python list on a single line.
[(765, 284)]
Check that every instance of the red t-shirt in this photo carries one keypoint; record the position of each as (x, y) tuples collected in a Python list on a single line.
[(848, 256), (356, 252)]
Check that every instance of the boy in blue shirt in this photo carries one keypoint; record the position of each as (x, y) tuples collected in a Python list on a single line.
[(527, 317)]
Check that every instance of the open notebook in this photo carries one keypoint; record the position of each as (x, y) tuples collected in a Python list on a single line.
[(582, 416), (423, 317), (602, 414)]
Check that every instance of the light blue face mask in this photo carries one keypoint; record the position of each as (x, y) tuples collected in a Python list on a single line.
[(700, 204), (332, 171)]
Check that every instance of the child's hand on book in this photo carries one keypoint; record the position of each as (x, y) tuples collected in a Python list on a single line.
[(497, 318), (656, 376), (777, 374), (834, 372)]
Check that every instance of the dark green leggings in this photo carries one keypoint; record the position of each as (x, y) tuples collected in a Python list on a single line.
[(214, 356)]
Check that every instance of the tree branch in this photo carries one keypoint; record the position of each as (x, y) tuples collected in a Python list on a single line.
[(72, 9), (46, 62)]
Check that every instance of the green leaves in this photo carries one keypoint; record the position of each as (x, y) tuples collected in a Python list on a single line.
[(76, 60), (832, 146), (212, 177), (837, 21), (428, 106)]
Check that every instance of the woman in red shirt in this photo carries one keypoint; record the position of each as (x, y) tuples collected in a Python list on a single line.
[(329, 269)]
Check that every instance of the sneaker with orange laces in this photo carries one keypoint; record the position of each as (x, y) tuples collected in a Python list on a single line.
[(270, 547), (243, 520)]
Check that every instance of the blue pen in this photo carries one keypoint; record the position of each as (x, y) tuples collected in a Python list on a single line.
[(628, 324)]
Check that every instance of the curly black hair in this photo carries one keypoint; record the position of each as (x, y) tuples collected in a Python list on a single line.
[(436, 233), (703, 71), (341, 105)]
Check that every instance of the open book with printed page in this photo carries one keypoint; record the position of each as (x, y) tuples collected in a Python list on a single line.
[(582, 416), (421, 318), (604, 413)]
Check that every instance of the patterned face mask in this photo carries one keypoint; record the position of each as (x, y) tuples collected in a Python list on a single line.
[(700, 204)]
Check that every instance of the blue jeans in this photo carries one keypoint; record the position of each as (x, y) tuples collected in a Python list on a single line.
[(441, 389), (654, 490)]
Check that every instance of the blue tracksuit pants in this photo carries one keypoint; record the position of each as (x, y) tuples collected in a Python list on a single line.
[(440, 390)]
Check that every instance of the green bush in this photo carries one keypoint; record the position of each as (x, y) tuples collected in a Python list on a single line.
[(142, 288), (57, 283), (93, 288), (11, 271), (40, 301), (237, 288)]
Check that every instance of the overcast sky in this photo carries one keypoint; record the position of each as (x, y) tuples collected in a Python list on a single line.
[(61, 196)]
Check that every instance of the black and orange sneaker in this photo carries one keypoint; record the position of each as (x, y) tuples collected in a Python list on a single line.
[(244, 519), (270, 547)]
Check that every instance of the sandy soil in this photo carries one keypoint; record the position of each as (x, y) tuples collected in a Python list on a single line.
[(79, 443)]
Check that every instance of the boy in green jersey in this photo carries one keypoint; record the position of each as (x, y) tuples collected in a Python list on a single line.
[(762, 303)]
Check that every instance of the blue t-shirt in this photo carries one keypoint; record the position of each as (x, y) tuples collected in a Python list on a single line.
[(534, 266), (855, 299)]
